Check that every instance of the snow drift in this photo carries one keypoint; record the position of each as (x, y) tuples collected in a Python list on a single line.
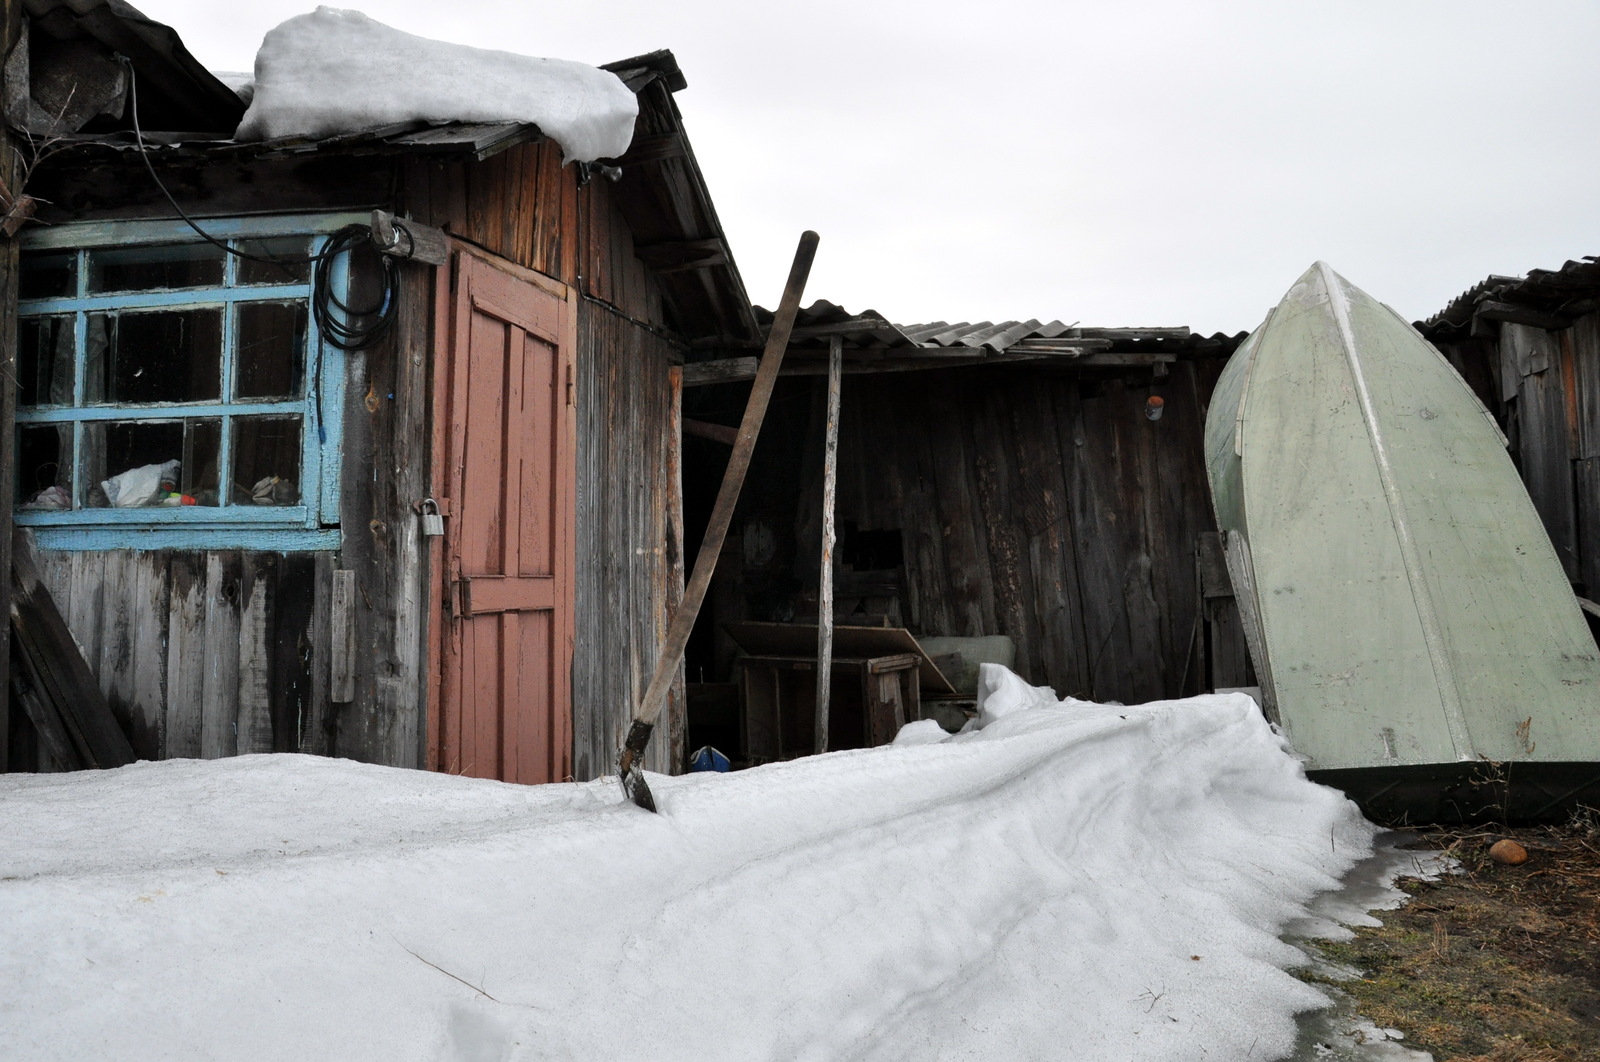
[(333, 71), (1076, 881)]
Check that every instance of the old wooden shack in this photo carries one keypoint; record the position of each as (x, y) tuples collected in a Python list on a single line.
[(1036, 481), (1530, 348), (292, 594)]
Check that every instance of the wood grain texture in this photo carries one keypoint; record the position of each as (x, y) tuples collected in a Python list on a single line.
[(630, 552), (1036, 505), (253, 721), (1543, 439), (185, 663)]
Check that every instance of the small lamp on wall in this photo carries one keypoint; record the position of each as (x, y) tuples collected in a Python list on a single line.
[(1153, 407)]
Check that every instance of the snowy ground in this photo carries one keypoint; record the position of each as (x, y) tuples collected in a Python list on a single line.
[(1073, 881)]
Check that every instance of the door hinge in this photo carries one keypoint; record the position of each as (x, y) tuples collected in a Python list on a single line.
[(571, 386)]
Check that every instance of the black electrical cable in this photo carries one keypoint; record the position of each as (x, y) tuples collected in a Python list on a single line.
[(344, 334), (361, 327)]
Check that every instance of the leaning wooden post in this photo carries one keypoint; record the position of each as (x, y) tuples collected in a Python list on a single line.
[(830, 474), (694, 592)]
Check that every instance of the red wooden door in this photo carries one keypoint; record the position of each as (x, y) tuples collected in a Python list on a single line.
[(505, 651)]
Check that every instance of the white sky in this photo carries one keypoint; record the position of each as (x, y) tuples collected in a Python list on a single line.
[(1151, 162)]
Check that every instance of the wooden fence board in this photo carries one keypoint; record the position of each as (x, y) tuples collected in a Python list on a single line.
[(219, 710), (254, 712), (186, 657)]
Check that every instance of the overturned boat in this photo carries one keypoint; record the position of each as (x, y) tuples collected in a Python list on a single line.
[(1410, 624)]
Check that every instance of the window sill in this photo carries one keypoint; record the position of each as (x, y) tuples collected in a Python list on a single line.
[(185, 529)]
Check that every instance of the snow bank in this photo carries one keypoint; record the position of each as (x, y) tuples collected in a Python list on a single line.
[(334, 71), (1077, 881)]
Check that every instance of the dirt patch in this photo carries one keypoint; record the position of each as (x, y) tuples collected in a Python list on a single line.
[(1495, 964)]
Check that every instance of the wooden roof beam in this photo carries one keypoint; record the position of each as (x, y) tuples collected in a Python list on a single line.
[(910, 359), (653, 148), (677, 256), (1523, 315)]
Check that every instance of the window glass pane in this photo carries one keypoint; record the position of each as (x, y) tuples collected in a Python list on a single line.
[(154, 356), (44, 466), (266, 460), (48, 275), (190, 265), (269, 351), (142, 463), (44, 361), (291, 266)]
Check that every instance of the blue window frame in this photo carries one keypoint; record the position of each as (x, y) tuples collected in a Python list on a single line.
[(173, 396)]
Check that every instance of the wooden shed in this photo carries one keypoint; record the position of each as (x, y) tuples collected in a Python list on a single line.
[(291, 594), (1038, 482), (1530, 348)]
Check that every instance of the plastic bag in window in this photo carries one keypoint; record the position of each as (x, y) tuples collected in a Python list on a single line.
[(145, 485), (50, 498)]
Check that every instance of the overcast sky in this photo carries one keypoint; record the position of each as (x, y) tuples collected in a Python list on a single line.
[(1151, 163)]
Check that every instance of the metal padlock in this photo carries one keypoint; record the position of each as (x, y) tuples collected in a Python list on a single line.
[(432, 522)]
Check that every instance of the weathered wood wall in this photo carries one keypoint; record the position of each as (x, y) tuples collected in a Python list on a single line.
[(224, 652), (1043, 507), (1040, 505), (1544, 388), (218, 653), (630, 538), (521, 204), (200, 654)]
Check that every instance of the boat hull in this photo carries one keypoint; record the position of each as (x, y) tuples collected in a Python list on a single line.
[(1404, 604)]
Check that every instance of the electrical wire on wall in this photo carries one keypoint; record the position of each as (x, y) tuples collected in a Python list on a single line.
[(362, 327), (351, 327)]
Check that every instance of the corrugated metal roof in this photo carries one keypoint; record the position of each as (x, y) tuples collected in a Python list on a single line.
[(1547, 298), (871, 340)]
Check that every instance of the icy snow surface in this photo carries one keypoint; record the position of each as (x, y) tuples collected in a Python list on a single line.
[(334, 71), (1071, 881)]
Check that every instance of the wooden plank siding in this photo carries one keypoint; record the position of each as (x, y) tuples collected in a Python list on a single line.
[(1546, 396), (1039, 505), (218, 653), (630, 566)]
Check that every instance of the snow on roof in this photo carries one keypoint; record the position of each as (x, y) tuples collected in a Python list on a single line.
[(332, 72), (1072, 881)]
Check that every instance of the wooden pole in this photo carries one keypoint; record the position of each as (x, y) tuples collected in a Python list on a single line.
[(11, 172), (694, 593), (830, 475)]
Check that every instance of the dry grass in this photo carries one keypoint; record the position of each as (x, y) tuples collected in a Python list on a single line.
[(1498, 963)]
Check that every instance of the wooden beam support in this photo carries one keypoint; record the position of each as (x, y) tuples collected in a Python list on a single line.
[(409, 239), (755, 411), (1524, 315), (656, 147), (723, 370), (842, 328), (721, 433), (913, 359), (674, 256), (830, 476)]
